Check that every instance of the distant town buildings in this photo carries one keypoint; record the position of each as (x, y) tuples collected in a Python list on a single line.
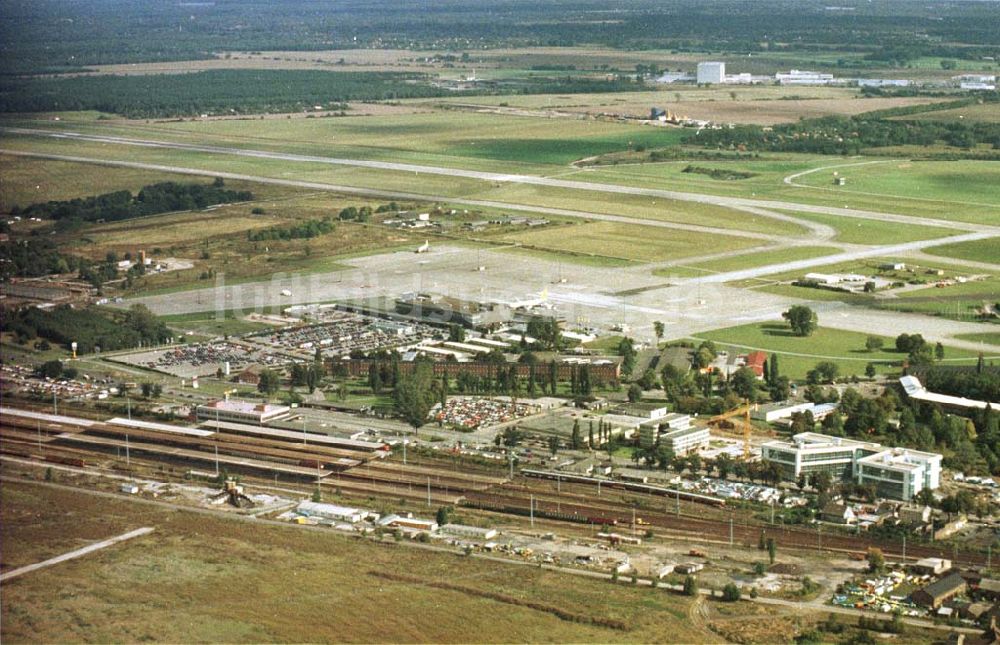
[(714, 73), (884, 82), (803, 77), (985, 82)]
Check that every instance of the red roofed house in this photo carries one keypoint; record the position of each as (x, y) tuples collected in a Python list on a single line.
[(755, 361)]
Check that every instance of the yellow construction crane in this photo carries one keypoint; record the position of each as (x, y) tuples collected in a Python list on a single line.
[(742, 411)]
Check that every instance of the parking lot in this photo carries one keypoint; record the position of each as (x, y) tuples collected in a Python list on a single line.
[(203, 359), (339, 333), (474, 413)]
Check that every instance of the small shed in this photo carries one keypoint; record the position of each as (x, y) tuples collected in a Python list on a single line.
[(989, 588)]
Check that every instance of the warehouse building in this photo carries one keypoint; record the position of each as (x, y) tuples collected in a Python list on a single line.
[(470, 532), (772, 412), (940, 591), (331, 512), (803, 77), (407, 522), (443, 310), (896, 473)]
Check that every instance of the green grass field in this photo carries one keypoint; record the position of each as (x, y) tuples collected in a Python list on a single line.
[(800, 354), (915, 271), (852, 230), (808, 293), (979, 251), (986, 112), (965, 191), (208, 323), (761, 258), (990, 337), (26, 181), (987, 288)]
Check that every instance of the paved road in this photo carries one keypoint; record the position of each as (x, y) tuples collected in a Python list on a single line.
[(730, 202), (790, 179), (103, 544)]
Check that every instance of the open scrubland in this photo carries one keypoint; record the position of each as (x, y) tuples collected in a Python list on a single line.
[(232, 581)]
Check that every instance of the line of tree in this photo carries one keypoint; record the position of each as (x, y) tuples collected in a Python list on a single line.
[(298, 231), (719, 173), (153, 199), (850, 135)]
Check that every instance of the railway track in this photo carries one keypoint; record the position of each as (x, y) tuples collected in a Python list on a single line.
[(357, 473), (570, 501), (743, 533)]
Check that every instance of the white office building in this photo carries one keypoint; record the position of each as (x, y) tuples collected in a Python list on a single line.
[(897, 473), (686, 440), (711, 72), (673, 430)]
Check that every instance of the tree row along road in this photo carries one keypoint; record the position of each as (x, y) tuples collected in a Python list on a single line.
[(850, 255), (730, 202)]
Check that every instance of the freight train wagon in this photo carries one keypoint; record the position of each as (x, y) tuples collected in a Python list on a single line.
[(623, 485)]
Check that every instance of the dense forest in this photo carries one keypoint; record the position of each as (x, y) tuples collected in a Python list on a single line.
[(122, 204), (34, 257), (89, 328), (249, 91), (233, 91), (38, 35)]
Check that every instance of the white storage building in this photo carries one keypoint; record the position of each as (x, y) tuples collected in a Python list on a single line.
[(712, 72)]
